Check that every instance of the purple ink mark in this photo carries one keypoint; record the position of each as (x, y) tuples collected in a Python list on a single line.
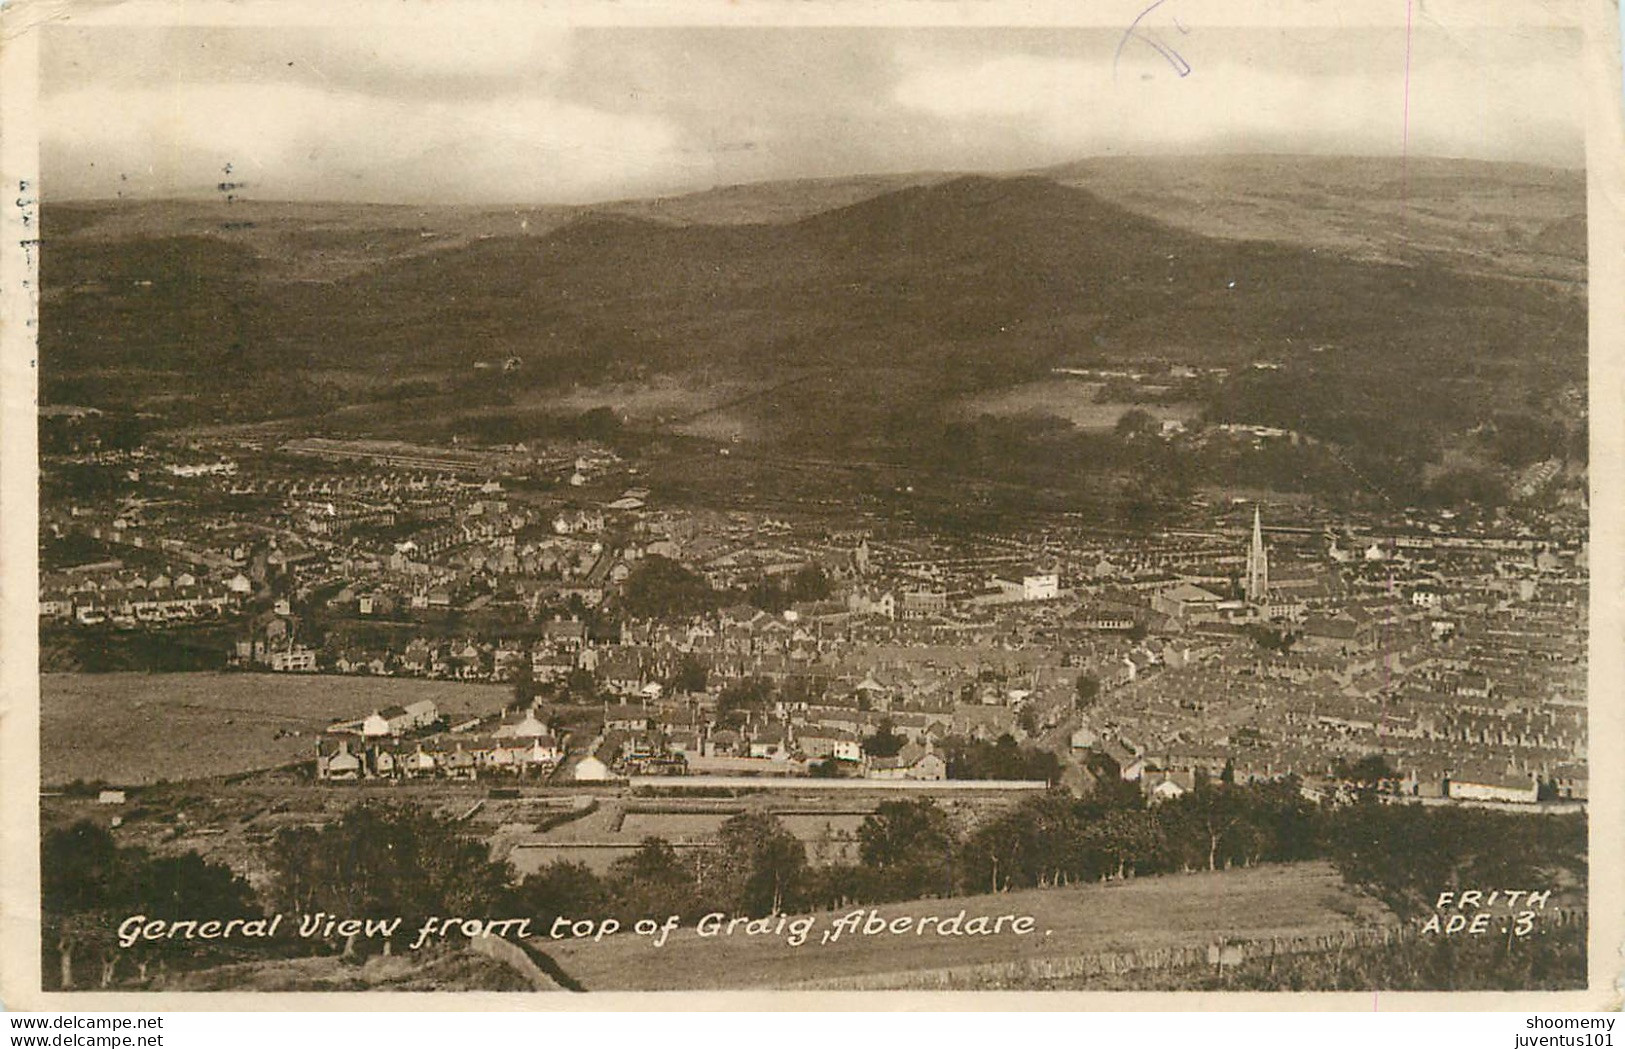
[(1134, 32)]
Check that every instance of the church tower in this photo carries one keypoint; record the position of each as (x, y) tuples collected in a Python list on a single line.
[(1258, 564)]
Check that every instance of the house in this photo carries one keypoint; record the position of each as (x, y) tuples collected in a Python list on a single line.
[(458, 763), (722, 743), (565, 633), (418, 763), (293, 660), (919, 604), (518, 754), (830, 743), (551, 666), (1187, 602), (1571, 782), (590, 770), (770, 741), (1105, 618), (868, 602), (526, 726), (915, 761), (1485, 784), (1343, 632), (1027, 583), (1130, 764), (626, 717), (335, 761), (417, 656), (1084, 737), (391, 721), (1165, 790)]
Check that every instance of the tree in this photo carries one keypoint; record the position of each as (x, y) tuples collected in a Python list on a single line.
[(1408, 854), (1135, 422), (1207, 816), (751, 694), (563, 888), (1088, 690), (758, 866), (1125, 839), (88, 884), (1370, 773), (912, 845), (660, 588), (524, 684), (1003, 758), (885, 742), (691, 675), (652, 881), (581, 685), (809, 584), (1038, 842), (382, 861)]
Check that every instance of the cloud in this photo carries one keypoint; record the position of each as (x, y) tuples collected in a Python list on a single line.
[(1003, 86), (465, 110), (1526, 107), (468, 49), (299, 142)]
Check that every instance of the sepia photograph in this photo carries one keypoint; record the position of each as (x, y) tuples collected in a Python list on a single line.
[(570, 501)]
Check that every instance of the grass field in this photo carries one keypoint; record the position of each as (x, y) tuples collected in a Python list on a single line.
[(134, 729), (828, 837), (1068, 399), (1143, 913)]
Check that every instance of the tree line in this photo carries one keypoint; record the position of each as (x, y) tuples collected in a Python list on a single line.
[(383, 860)]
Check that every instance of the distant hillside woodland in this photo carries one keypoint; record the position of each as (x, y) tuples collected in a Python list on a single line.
[(379, 860), (857, 327)]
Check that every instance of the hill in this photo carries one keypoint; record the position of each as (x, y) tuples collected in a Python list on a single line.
[(1504, 219), (1138, 915), (850, 327)]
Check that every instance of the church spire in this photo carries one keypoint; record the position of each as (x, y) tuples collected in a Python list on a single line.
[(1258, 563)]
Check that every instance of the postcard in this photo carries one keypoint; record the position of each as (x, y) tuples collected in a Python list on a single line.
[(1086, 506)]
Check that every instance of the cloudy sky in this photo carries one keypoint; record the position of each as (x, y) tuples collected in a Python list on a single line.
[(536, 113)]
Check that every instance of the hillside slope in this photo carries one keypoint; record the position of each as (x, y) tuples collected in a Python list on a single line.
[(1142, 914), (898, 303)]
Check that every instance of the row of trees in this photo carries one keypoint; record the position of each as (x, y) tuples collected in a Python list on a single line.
[(660, 588), (89, 884), (385, 861), (916, 849)]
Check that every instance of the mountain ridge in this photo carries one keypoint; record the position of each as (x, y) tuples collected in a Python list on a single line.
[(902, 303)]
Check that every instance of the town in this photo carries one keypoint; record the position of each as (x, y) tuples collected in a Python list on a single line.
[(643, 638)]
